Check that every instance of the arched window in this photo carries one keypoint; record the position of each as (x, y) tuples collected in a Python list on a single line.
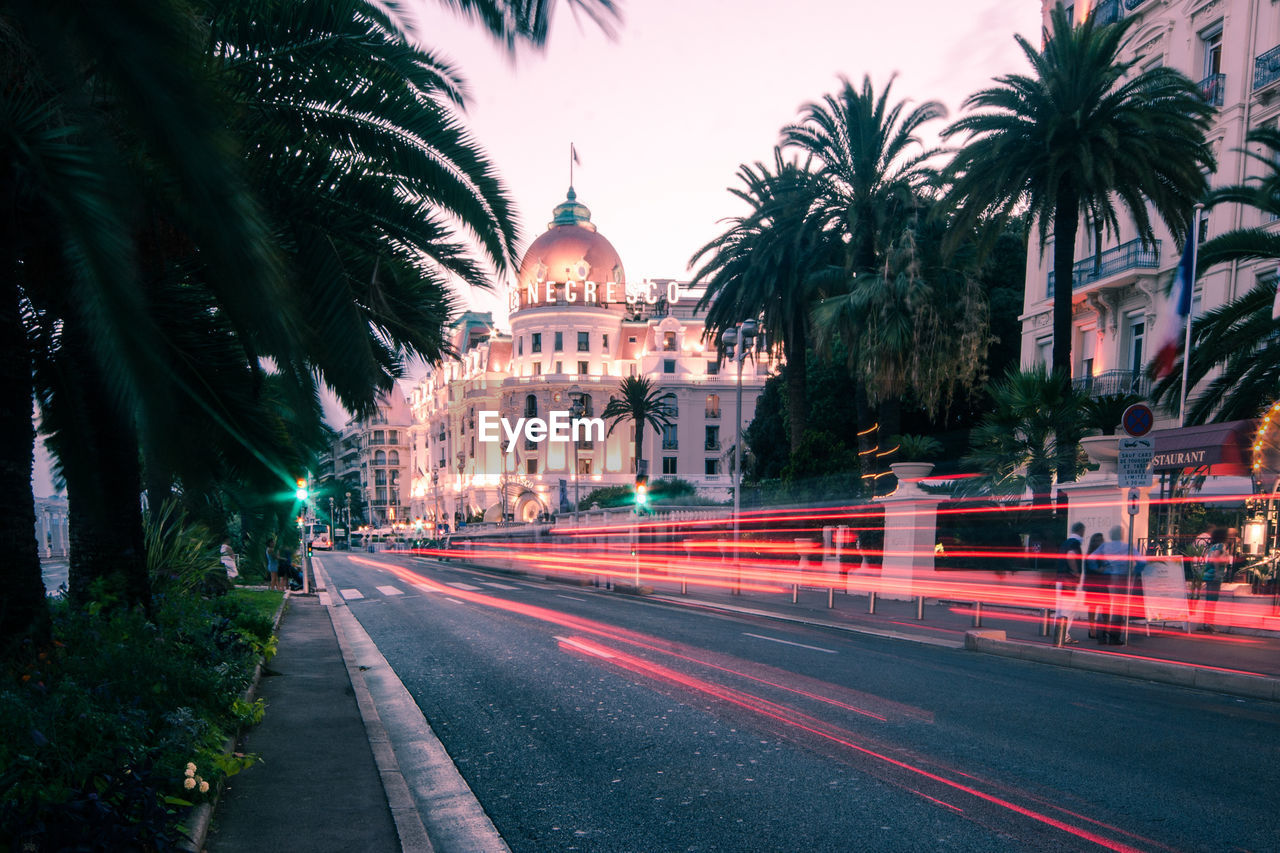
[(673, 408), (587, 411), (380, 458), (393, 458), (531, 406)]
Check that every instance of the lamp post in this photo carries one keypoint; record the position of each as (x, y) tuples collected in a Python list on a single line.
[(577, 410), (348, 505), (737, 341), (462, 462), (330, 521), (435, 488)]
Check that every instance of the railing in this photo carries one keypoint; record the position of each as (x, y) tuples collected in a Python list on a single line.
[(1212, 88), (713, 444), (1126, 256), (1113, 382), (1130, 5), (670, 444), (1106, 12), (713, 413), (1266, 68)]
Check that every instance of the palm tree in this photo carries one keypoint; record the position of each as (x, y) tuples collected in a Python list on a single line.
[(1084, 131), (1023, 442), (1238, 337), (640, 402), (767, 264), (874, 169)]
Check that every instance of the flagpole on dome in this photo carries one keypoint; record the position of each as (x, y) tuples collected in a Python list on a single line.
[(1194, 237), (573, 158)]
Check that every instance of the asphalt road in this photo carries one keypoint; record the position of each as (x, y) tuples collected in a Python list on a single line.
[(586, 720)]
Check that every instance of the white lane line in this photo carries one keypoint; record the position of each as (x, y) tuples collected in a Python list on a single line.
[(454, 600), (789, 643), (390, 590), (351, 594), (570, 597), (583, 647), (465, 587), (497, 585)]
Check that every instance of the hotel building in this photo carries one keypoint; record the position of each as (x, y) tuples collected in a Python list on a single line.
[(577, 329)]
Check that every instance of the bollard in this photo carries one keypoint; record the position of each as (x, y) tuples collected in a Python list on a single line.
[(1060, 632), (977, 614), (831, 597), (1044, 622), (920, 608), (684, 586), (871, 602), (795, 593)]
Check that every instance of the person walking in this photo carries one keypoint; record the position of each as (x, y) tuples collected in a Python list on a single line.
[(1094, 584), (1215, 565), (273, 565), (1115, 558), (1070, 579)]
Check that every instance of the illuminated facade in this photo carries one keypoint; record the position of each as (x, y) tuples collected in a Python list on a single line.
[(577, 329), (1232, 47), (370, 460)]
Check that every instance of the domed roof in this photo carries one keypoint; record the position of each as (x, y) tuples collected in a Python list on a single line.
[(570, 250)]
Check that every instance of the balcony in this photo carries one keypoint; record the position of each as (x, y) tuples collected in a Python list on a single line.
[(670, 443), (1126, 256), (1110, 382), (713, 413), (1130, 5), (713, 444), (1212, 87), (1266, 68)]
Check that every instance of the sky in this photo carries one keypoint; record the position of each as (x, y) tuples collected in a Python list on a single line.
[(663, 113)]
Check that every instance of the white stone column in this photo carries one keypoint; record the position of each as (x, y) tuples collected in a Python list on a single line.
[(910, 534), (1096, 499)]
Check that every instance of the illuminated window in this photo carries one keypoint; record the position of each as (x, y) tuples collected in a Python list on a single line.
[(535, 342)]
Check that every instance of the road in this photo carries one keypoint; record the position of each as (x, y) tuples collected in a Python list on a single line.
[(586, 720)]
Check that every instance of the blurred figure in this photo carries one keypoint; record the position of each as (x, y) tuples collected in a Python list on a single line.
[(1215, 567), (1069, 584), (1114, 559), (1094, 584), (228, 557)]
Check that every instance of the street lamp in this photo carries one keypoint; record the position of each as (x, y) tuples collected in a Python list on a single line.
[(462, 462), (435, 487), (737, 342), (576, 411), (348, 521)]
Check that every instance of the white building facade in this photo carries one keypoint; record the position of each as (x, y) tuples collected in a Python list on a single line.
[(369, 461), (578, 328), (1232, 47)]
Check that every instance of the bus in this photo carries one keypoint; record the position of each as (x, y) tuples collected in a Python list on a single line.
[(317, 536)]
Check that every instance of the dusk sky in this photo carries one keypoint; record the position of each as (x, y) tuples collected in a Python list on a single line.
[(663, 114)]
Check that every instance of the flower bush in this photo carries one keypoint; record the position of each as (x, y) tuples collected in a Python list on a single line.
[(98, 732)]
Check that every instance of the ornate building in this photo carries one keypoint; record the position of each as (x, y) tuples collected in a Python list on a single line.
[(577, 329), (1232, 47)]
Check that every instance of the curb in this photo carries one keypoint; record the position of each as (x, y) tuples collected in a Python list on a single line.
[(196, 831), (993, 642), (421, 782)]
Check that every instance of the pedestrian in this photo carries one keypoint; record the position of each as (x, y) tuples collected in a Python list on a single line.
[(1069, 583), (273, 565), (1094, 584), (1115, 560), (228, 557), (1215, 565)]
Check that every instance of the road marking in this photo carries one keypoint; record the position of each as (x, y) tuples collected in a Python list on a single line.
[(583, 647), (790, 643), (465, 587), (454, 600), (497, 585), (351, 594), (390, 590), (570, 597)]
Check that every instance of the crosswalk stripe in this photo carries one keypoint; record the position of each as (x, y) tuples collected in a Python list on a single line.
[(390, 590), (351, 594), (466, 587), (497, 585)]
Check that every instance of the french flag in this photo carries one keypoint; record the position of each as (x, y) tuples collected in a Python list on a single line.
[(1171, 324)]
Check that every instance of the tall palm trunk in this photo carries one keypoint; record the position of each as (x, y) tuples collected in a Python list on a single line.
[(1065, 225), (797, 382), (639, 443), (104, 483), (24, 612)]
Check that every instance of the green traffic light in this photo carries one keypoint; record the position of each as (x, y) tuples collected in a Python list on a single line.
[(301, 491)]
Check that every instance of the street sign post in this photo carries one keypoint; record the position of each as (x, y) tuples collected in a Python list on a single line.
[(1134, 497), (1138, 420), (1134, 462)]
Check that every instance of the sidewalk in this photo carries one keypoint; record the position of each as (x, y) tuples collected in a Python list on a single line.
[(317, 788)]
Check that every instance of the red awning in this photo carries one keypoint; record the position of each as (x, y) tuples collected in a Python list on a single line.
[(1224, 449)]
